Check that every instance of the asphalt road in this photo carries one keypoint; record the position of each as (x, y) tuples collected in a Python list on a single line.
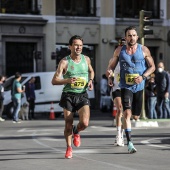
[(40, 145)]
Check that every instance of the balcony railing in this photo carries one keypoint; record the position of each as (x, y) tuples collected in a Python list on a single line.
[(20, 7)]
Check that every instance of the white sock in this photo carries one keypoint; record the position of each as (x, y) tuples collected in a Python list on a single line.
[(119, 131), (122, 133)]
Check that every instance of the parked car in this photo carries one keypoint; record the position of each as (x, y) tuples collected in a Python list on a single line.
[(46, 93)]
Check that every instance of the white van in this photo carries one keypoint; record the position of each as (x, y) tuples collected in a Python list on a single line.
[(45, 92)]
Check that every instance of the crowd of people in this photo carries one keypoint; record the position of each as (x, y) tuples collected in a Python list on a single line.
[(157, 92), (17, 92)]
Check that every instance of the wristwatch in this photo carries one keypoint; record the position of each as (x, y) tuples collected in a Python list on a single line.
[(144, 77)]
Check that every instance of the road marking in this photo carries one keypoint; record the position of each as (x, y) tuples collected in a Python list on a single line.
[(50, 139), (148, 142), (78, 156), (39, 130)]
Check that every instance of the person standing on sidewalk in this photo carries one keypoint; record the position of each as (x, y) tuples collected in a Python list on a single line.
[(30, 94), (151, 98), (162, 89), (2, 79), (77, 75), (136, 63), (16, 92)]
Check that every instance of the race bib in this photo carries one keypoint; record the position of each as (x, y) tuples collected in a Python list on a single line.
[(118, 77), (130, 78), (79, 83)]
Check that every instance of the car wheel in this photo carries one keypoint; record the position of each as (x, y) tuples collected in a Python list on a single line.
[(9, 110)]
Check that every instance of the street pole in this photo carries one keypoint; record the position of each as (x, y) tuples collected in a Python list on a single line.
[(144, 23), (143, 113)]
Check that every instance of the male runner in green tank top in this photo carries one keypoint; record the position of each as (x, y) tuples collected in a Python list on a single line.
[(77, 75)]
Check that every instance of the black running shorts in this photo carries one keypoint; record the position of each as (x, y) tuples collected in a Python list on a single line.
[(116, 93), (74, 101), (132, 101)]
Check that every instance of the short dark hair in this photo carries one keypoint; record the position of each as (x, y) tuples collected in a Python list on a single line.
[(130, 28), (75, 37), (17, 75)]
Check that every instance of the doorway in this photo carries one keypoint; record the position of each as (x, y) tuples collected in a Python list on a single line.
[(19, 57)]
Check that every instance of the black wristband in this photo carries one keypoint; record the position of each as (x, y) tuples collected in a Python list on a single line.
[(91, 80), (144, 77)]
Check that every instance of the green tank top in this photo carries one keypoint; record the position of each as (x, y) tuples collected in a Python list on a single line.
[(78, 70)]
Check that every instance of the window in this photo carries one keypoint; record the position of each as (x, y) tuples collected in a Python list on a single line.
[(8, 83), (131, 8), (76, 8), (19, 6), (37, 83)]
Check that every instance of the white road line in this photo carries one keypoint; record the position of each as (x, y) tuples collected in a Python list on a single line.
[(149, 143), (39, 130), (78, 156)]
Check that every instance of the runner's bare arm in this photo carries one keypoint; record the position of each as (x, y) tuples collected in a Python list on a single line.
[(91, 73), (113, 62), (57, 78), (150, 63), (149, 60)]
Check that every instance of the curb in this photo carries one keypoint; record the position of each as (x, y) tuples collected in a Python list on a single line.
[(145, 124)]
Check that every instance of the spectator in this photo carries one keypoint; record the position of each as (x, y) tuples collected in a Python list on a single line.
[(162, 87), (151, 101), (16, 92), (30, 94), (105, 99), (2, 79), (104, 86), (169, 86)]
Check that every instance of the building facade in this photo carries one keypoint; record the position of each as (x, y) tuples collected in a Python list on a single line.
[(34, 34)]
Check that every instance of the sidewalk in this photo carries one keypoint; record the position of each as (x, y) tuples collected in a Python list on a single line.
[(99, 115)]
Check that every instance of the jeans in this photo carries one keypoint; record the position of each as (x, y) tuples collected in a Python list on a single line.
[(17, 106), (160, 101), (152, 107), (163, 108), (31, 108), (166, 110)]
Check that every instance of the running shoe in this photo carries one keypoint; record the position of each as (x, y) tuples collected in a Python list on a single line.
[(131, 148), (115, 141), (68, 154), (119, 141), (76, 136), (122, 142), (1, 119), (76, 140), (14, 121)]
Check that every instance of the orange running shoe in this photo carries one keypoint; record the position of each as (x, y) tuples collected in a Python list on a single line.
[(68, 154), (76, 140)]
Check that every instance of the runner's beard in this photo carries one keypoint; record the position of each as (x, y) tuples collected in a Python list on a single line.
[(131, 44)]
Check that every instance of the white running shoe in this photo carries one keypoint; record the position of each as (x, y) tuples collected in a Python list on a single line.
[(1, 119), (119, 141)]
